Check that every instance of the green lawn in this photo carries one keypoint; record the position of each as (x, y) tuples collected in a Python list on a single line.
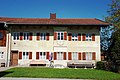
[(60, 73)]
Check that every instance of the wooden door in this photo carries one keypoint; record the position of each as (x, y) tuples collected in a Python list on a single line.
[(14, 57)]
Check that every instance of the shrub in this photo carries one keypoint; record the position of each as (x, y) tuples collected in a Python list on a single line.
[(100, 65)]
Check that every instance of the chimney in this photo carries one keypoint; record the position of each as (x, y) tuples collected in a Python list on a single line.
[(52, 15)]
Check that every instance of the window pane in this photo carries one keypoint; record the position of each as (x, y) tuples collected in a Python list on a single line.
[(1, 35), (40, 53), (23, 53), (44, 53), (14, 36)]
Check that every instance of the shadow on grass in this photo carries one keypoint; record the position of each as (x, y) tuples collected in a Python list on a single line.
[(3, 73)]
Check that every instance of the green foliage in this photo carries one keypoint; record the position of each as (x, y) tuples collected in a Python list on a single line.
[(114, 51), (100, 65), (61, 73), (114, 14)]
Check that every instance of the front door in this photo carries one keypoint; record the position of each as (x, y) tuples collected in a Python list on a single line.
[(14, 57)]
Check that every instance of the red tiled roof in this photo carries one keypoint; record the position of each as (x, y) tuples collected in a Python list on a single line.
[(57, 21)]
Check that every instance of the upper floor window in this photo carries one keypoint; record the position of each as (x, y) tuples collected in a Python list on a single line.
[(60, 35), (88, 37), (42, 36), (74, 37), (26, 36), (1, 35), (1, 55), (22, 36), (16, 35)]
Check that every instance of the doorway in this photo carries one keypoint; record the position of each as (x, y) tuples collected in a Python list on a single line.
[(14, 58)]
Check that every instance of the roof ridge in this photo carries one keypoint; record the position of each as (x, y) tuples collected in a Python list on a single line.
[(22, 18)]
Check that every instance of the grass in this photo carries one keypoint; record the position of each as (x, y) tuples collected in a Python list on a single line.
[(60, 73)]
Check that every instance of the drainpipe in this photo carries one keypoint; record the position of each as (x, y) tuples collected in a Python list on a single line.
[(7, 44)]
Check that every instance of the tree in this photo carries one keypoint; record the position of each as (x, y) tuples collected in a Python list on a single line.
[(114, 48), (114, 14)]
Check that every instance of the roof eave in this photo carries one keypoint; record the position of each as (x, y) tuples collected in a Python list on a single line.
[(58, 24)]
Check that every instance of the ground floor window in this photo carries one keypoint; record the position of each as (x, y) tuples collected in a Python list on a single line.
[(88, 55), (60, 55), (74, 56), (42, 55), (25, 55), (1, 55)]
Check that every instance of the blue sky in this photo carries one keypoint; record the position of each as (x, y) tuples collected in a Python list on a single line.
[(63, 8)]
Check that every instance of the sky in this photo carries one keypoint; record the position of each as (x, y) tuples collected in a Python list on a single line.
[(62, 8)]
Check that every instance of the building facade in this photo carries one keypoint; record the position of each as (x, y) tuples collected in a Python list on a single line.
[(40, 41)]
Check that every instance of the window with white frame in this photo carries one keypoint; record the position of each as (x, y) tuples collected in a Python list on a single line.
[(88, 55), (42, 36), (60, 55), (26, 36), (16, 35), (74, 56), (25, 55), (60, 35), (74, 37), (1, 55), (1, 35), (42, 55), (88, 37)]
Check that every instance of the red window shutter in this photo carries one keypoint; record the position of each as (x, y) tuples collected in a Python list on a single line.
[(93, 37), (30, 36), (64, 56), (30, 55), (37, 55), (84, 56), (47, 37), (79, 37), (69, 37), (20, 55), (55, 35), (55, 55), (79, 56), (47, 56), (4, 37), (21, 36), (93, 56), (69, 56), (83, 37), (38, 36), (65, 35)]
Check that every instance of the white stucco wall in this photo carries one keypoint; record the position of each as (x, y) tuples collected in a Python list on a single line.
[(55, 45)]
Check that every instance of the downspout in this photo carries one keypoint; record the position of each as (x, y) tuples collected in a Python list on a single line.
[(7, 44)]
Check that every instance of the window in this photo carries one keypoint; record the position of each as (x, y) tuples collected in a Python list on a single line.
[(16, 36), (1, 55), (74, 37), (25, 55), (88, 37), (88, 55), (74, 55), (60, 55), (60, 35), (1, 35), (42, 36), (42, 55), (26, 36)]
